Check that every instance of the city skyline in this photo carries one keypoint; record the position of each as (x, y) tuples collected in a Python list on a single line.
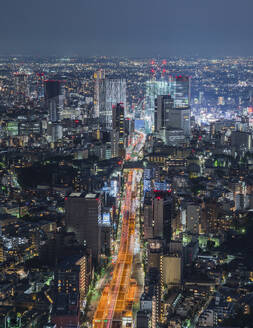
[(120, 224), (126, 164)]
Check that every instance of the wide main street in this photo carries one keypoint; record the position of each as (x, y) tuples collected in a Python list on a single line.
[(115, 305)]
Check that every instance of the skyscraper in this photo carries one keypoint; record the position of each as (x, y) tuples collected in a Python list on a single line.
[(180, 90), (118, 131), (179, 116), (153, 90), (98, 76), (157, 215), (83, 216), (111, 92), (163, 106), (53, 99), (148, 218)]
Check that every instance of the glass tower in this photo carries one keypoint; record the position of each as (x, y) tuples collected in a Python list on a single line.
[(111, 92)]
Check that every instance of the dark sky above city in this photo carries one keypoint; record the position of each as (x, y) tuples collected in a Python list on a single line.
[(127, 28)]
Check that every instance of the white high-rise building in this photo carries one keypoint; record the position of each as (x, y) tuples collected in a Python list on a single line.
[(98, 76), (153, 90), (111, 93), (180, 90)]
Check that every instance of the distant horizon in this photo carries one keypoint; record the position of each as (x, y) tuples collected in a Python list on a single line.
[(157, 57), (210, 28)]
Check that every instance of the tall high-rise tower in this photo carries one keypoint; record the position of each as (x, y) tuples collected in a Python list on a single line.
[(179, 116), (111, 92), (54, 99), (163, 106), (180, 90), (153, 90), (83, 216), (118, 131), (98, 77), (162, 211)]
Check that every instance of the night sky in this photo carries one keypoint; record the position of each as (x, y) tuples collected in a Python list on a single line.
[(127, 28)]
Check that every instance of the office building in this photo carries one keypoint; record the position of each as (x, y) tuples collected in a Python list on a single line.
[(83, 217), (180, 119), (54, 132), (69, 291), (153, 90), (214, 219), (111, 93), (129, 130), (173, 137), (171, 270), (98, 76), (158, 101), (154, 289), (241, 140), (157, 216), (155, 250), (162, 212), (172, 113), (54, 99), (163, 106), (118, 131), (148, 218), (179, 87)]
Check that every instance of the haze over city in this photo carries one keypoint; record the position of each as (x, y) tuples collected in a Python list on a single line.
[(127, 28)]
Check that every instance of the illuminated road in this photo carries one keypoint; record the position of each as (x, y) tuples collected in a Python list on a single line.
[(134, 151), (115, 305)]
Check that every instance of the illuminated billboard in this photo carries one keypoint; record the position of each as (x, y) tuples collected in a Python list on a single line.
[(106, 219)]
